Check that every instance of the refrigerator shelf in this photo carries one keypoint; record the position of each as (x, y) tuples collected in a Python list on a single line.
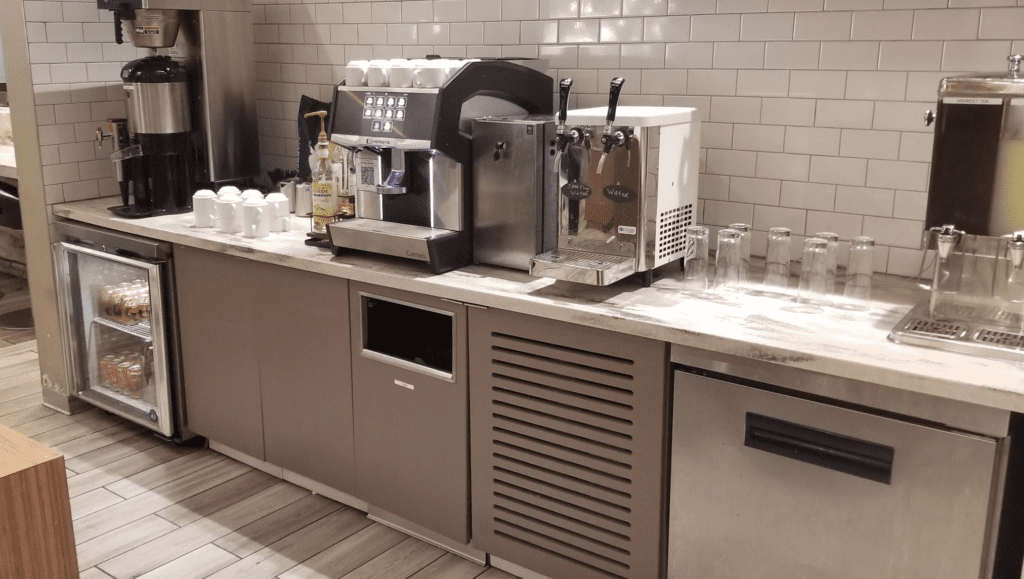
[(140, 330)]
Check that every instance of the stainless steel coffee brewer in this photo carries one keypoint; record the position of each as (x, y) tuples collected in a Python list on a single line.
[(975, 220), (413, 164), (191, 108), (627, 188)]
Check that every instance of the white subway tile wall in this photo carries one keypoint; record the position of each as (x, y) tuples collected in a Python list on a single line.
[(76, 67), (812, 108)]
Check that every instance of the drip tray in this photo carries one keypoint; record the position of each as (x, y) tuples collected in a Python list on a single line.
[(582, 266), (977, 330)]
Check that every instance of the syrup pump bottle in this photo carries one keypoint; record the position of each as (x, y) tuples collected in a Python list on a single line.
[(325, 199)]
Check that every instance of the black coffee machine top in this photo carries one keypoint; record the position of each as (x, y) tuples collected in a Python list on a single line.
[(154, 69)]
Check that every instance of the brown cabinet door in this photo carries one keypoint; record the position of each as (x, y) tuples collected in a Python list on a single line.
[(569, 436), (305, 372), (411, 426), (217, 321)]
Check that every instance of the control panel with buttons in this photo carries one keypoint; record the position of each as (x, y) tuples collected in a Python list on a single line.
[(384, 111)]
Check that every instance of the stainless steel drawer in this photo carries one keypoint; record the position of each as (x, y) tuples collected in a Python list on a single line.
[(770, 486)]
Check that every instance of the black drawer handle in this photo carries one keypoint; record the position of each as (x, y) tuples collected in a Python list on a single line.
[(825, 449)]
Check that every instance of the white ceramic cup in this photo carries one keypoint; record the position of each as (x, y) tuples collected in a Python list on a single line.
[(355, 73), (229, 213), (429, 74), (228, 189), (303, 199), (255, 218), (251, 194), (400, 75), (288, 190), (377, 74), (203, 207), (280, 219)]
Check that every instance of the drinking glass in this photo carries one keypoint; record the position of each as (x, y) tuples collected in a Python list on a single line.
[(696, 260), (776, 266), (729, 259), (858, 272), (744, 229), (814, 273), (833, 257)]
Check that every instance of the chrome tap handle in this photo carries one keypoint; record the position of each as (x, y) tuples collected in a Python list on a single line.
[(564, 86), (613, 102), (1015, 61)]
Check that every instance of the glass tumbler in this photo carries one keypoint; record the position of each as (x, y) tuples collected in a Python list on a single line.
[(729, 259), (776, 265), (858, 272), (695, 274), (833, 257), (814, 274), (744, 229)]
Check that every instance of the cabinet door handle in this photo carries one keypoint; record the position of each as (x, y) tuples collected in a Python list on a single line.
[(825, 449)]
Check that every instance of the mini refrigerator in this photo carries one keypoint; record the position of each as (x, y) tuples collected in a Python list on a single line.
[(116, 297)]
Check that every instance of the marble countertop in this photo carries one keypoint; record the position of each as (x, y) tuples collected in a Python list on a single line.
[(8, 167), (846, 342)]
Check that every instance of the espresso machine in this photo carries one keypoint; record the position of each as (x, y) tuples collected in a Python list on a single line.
[(627, 181), (412, 161), (191, 107), (975, 220)]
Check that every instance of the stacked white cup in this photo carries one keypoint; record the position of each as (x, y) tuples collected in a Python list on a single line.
[(203, 207)]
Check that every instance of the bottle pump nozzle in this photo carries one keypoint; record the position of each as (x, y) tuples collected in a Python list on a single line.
[(323, 128)]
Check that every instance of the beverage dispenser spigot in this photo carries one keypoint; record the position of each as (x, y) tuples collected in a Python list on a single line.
[(612, 137), (563, 136), (948, 237), (1015, 60), (118, 137), (1016, 250)]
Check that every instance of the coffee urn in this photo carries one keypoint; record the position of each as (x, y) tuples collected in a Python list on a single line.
[(191, 107)]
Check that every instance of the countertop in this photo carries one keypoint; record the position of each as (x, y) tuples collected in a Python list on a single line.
[(773, 329), (8, 166)]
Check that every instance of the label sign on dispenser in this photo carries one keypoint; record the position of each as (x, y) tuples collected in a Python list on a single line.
[(576, 190), (404, 385), (620, 193)]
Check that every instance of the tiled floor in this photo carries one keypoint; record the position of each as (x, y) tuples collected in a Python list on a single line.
[(150, 509), (14, 297)]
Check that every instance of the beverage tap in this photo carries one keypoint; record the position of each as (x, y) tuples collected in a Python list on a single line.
[(391, 184), (564, 137), (947, 238), (118, 137), (611, 137), (1016, 251)]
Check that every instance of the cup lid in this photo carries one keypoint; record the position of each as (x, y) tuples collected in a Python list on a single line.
[(228, 189), (230, 196), (204, 194), (251, 193), (254, 202), (276, 196)]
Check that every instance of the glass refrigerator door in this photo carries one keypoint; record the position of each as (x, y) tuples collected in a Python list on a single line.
[(114, 333)]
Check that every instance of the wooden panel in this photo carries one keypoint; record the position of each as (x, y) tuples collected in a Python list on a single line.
[(412, 443), (569, 450), (36, 537), (217, 320), (306, 375)]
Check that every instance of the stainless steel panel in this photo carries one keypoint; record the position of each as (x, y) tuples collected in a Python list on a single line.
[(220, 5), (514, 217), (440, 175), (160, 28), (975, 333), (447, 193), (582, 266), (229, 94), (385, 237), (737, 511), (952, 413), (158, 108)]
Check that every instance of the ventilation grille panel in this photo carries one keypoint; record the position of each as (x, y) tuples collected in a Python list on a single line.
[(564, 475), (936, 328), (671, 237)]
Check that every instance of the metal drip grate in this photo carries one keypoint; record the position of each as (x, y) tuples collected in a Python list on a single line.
[(1000, 338), (936, 328)]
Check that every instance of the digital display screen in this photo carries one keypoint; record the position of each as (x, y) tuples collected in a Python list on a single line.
[(377, 113)]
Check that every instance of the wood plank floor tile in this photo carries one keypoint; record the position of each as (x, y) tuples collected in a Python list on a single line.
[(93, 573), (28, 415), (122, 540), (18, 404), (219, 497), (164, 473), (493, 573), (79, 429), (400, 561), (55, 421), (126, 467), (161, 551), (277, 525), (284, 554), (347, 555), (25, 355), (198, 564), (148, 503), (16, 369), (100, 439), (450, 566), (113, 452), (93, 501), (20, 385)]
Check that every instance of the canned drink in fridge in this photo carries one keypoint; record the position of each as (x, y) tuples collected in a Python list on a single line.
[(135, 381), (122, 377)]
